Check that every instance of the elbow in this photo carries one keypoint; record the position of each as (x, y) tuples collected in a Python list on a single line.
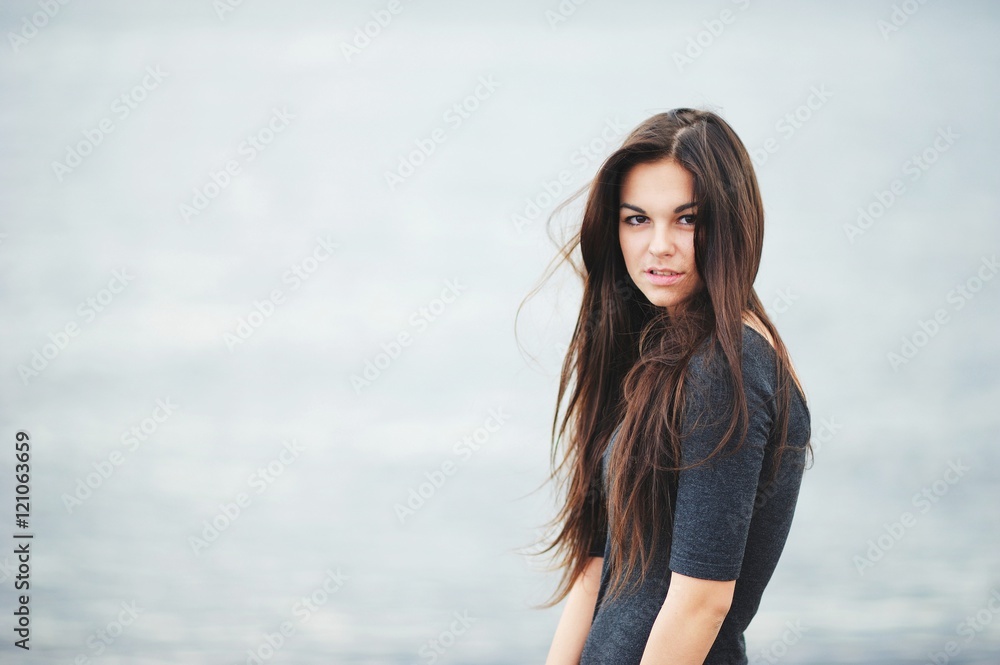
[(707, 600), (706, 617), (715, 605), (715, 610)]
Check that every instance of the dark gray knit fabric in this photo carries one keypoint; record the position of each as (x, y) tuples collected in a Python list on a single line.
[(728, 523)]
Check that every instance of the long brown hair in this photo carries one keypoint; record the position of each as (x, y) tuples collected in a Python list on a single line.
[(627, 359)]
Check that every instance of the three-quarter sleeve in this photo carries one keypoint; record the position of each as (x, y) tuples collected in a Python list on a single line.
[(598, 500), (598, 542), (599, 536), (715, 501)]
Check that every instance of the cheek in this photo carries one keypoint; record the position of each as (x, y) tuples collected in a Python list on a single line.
[(689, 251), (626, 249)]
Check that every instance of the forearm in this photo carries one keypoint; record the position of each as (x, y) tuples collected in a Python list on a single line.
[(688, 622), (681, 638), (578, 613)]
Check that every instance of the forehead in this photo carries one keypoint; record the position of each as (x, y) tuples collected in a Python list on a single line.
[(664, 181)]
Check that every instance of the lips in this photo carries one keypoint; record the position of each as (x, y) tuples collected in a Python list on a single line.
[(667, 278)]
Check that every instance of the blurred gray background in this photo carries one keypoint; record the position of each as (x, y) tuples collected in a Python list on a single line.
[(241, 348)]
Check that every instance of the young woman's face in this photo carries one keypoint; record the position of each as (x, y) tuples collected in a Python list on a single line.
[(656, 231)]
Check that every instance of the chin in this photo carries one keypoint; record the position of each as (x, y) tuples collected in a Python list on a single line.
[(658, 300)]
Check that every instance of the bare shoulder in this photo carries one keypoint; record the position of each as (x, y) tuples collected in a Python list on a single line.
[(751, 320)]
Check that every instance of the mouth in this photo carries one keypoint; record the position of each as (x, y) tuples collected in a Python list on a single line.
[(663, 277)]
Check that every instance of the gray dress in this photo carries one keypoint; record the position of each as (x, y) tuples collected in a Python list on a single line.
[(727, 524)]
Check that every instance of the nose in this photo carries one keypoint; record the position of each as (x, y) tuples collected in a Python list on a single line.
[(662, 243)]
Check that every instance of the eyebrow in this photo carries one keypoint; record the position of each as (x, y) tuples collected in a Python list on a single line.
[(680, 208)]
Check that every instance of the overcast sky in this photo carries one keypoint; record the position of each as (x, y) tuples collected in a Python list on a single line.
[(248, 228)]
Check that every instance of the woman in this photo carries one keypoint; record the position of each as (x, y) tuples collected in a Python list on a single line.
[(686, 429)]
